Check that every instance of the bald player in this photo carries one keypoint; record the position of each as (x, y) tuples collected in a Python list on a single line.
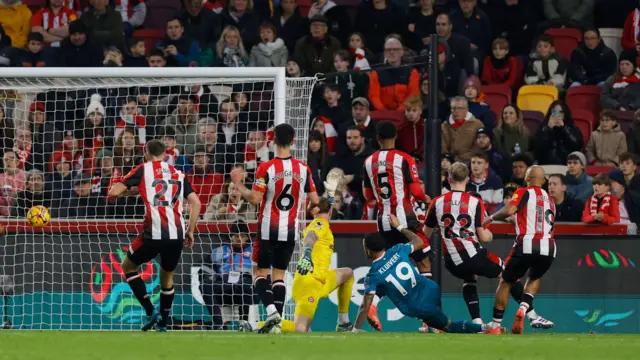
[(533, 251)]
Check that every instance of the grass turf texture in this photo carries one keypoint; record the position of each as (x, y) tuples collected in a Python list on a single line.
[(36, 345)]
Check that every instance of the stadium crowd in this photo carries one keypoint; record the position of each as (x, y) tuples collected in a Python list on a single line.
[(63, 148)]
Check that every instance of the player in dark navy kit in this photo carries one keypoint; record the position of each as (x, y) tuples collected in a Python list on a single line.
[(162, 189)]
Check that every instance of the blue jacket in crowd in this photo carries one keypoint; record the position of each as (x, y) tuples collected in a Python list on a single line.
[(580, 188)]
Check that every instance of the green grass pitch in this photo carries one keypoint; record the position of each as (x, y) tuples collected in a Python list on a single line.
[(54, 345)]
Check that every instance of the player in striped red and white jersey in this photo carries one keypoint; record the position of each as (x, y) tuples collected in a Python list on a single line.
[(280, 185), (534, 249), (162, 189)]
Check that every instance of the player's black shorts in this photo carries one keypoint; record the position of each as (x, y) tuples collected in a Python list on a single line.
[(142, 251), (517, 265), (272, 253), (484, 263), (393, 237)]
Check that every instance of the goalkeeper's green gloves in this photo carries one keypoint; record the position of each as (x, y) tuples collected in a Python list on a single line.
[(305, 264)]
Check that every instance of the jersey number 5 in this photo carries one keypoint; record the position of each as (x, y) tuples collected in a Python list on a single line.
[(284, 202), (164, 186), (384, 186), (403, 272)]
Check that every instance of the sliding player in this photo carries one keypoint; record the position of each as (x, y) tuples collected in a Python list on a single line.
[(459, 217), (534, 249), (390, 179), (162, 188), (392, 274), (284, 180)]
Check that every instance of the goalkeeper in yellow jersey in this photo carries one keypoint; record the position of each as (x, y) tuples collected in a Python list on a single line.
[(313, 280)]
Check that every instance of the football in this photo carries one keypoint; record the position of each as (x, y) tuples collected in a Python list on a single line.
[(38, 216)]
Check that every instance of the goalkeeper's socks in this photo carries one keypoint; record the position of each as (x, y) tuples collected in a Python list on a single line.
[(263, 288), (470, 295), (279, 295), (465, 327), (140, 291), (166, 301)]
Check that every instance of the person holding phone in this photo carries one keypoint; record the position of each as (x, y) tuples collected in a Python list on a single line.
[(558, 136)]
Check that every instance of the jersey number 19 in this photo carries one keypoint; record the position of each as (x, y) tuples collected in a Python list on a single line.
[(404, 273)]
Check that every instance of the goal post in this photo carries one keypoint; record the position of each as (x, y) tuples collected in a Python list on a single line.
[(66, 134)]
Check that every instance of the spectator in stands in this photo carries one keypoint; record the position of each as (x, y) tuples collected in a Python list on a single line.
[(33, 194), (337, 16), (633, 136), (204, 180), (184, 119), (411, 136), (498, 162), (631, 29), (512, 137), (592, 62), (12, 182), (314, 52), (127, 152), (15, 19), (352, 84), (226, 277), (105, 23), (22, 147), (230, 131), (289, 23), (484, 181), (460, 47), (106, 174), (133, 14), (60, 181), (361, 118), (443, 103), (460, 130), (621, 91), (44, 134), (270, 51), (378, 18), (230, 206), (628, 166), (517, 22), (477, 105), (568, 208), (34, 55), (136, 57), (179, 50), (131, 118), (221, 156), (95, 133), (558, 136), (242, 15), (546, 67), (360, 54), (579, 184), (80, 49), (501, 68), (568, 13), (52, 22), (352, 164), (156, 58), (229, 51), (200, 24), (391, 86), (445, 163), (422, 23), (318, 159), (602, 207), (7, 129), (83, 203), (519, 164), (113, 57), (628, 198), (324, 126), (474, 24), (332, 107), (256, 152), (607, 142), (293, 69)]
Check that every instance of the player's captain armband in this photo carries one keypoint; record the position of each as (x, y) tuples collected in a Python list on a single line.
[(260, 184)]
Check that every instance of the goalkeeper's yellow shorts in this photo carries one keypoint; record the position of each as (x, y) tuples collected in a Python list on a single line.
[(307, 291)]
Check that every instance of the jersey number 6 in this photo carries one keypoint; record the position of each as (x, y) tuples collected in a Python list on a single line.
[(281, 204)]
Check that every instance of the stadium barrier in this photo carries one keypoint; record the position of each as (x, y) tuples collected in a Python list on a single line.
[(67, 276)]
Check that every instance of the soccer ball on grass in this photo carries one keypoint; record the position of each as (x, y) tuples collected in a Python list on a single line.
[(38, 216)]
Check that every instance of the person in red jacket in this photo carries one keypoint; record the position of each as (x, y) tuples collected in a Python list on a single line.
[(204, 180), (631, 29), (411, 136), (500, 67), (602, 207)]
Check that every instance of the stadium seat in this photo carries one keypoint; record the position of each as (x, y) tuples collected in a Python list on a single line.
[(612, 38), (304, 6), (565, 40), (593, 170), (150, 36), (533, 120), (537, 97), (625, 119), (554, 169), (159, 12), (395, 116), (583, 119), (497, 96), (585, 98)]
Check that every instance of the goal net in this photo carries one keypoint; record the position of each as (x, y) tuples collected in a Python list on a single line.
[(68, 134)]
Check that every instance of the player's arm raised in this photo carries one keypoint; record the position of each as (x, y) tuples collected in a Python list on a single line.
[(416, 241), (305, 264), (252, 196)]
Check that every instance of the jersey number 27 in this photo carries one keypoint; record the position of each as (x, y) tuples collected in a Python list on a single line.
[(404, 273), (164, 186)]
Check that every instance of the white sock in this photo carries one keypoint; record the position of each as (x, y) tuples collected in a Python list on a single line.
[(525, 306), (343, 318), (477, 321), (271, 309), (532, 315), (376, 300)]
